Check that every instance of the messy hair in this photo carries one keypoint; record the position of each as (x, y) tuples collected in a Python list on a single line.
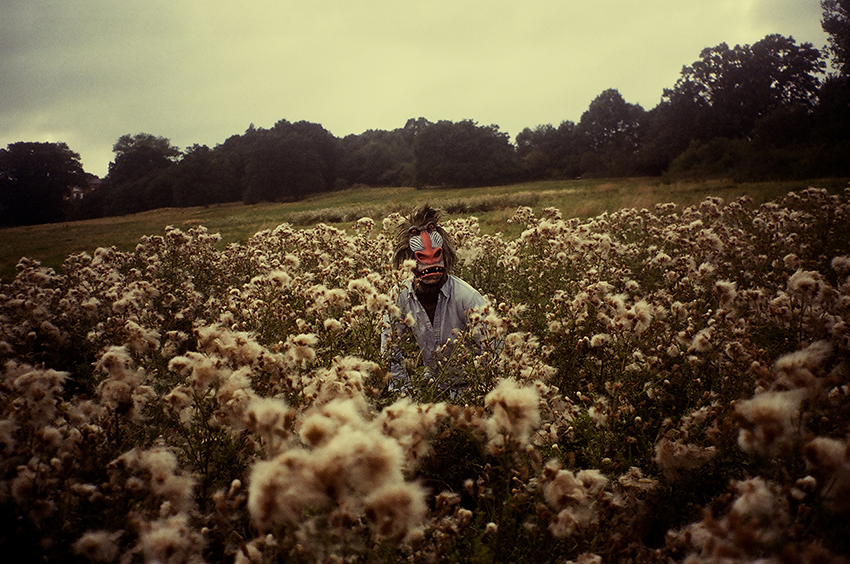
[(417, 218)]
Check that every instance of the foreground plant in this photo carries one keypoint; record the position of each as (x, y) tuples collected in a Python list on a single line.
[(646, 386)]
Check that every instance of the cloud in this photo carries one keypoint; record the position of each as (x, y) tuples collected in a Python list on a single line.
[(89, 71), (797, 18)]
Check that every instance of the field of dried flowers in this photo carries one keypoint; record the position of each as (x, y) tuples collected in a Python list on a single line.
[(648, 386)]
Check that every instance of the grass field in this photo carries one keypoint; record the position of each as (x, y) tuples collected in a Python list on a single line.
[(656, 385), (236, 222)]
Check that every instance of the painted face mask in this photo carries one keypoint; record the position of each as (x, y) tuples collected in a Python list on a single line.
[(421, 238), (427, 246)]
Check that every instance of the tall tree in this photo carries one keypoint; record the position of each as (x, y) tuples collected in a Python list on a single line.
[(836, 22), (135, 179), (789, 73), (728, 89), (201, 178), (140, 155), (463, 154), (35, 181), (609, 135), (833, 111), (535, 150), (549, 152), (378, 158), (611, 124), (288, 162)]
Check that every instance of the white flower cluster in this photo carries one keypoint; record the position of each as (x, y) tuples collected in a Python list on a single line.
[(190, 401)]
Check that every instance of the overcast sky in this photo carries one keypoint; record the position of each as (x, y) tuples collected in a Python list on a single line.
[(198, 71)]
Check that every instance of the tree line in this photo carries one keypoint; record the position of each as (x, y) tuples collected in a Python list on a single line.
[(765, 111)]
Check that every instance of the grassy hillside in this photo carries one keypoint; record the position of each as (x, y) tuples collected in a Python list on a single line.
[(236, 222)]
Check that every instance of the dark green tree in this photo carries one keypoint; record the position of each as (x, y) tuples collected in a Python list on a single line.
[(202, 178), (281, 169), (789, 74), (136, 180), (36, 180), (535, 150), (325, 145), (609, 135), (139, 156), (413, 127), (611, 124), (286, 163), (832, 115), (378, 158), (836, 22), (549, 152), (234, 154), (833, 110), (728, 89), (463, 154), (668, 130)]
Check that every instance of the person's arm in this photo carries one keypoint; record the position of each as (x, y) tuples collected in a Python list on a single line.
[(472, 300)]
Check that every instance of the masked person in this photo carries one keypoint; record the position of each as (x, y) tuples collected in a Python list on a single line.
[(438, 301)]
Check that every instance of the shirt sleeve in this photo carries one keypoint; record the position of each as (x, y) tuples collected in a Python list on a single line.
[(469, 296)]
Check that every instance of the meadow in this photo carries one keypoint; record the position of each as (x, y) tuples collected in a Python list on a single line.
[(52, 243), (664, 380)]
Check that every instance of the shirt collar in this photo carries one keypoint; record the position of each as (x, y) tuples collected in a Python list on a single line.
[(445, 289)]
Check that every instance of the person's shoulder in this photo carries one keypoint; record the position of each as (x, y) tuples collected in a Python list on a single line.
[(460, 283), (462, 287)]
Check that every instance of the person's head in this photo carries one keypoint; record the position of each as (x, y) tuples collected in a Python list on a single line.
[(422, 239)]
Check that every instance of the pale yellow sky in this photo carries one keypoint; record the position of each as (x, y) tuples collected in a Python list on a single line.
[(199, 71)]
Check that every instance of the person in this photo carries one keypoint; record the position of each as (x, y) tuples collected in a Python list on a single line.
[(438, 301)]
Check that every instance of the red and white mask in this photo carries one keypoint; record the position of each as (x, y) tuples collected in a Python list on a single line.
[(427, 246)]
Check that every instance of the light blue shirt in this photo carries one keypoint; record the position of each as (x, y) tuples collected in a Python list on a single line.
[(455, 300)]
